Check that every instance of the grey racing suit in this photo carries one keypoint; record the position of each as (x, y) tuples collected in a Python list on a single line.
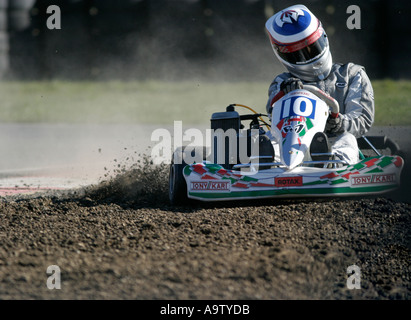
[(351, 87)]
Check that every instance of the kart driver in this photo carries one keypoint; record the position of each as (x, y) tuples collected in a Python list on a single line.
[(301, 45)]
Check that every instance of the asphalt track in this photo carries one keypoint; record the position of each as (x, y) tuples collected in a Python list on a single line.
[(40, 157)]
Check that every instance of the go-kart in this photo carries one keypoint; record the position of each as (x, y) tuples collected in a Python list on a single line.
[(276, 161)]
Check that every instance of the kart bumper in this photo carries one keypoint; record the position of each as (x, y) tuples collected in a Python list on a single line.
[(374, 175)]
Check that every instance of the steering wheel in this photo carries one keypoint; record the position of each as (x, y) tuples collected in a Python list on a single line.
[(330, 101)]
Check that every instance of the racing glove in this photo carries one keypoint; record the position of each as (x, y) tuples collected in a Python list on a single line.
[(291, 84), (334, 125)]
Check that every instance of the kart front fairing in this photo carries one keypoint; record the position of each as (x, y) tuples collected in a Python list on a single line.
[(296, 118)]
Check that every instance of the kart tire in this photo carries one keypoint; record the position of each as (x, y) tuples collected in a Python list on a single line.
[(402, 154), (177, 187)]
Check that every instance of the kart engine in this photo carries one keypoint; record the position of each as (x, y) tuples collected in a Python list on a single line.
[(230, 141), (225, 131)]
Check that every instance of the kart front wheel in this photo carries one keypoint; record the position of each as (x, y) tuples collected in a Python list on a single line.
[(177, 187)]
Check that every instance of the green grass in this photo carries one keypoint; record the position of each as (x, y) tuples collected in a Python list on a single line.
[(155, 102), (392, 102)]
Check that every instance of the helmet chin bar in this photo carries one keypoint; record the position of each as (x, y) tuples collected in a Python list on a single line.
[(311, 72)]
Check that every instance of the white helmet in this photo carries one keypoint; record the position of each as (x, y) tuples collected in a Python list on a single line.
[(300, 43)]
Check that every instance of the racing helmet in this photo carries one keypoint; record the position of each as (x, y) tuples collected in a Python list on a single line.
[(300, 43)]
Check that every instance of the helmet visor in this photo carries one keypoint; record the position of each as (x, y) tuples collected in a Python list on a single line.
[(306, 54)]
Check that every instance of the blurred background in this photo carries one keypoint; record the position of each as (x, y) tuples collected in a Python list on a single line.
[(184, 39), (88, 96)]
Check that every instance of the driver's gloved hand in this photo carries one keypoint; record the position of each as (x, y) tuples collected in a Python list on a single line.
[(334, 125), (291, 84)]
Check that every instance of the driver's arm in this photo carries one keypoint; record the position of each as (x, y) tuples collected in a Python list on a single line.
[(274, 88), (358, 110)]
